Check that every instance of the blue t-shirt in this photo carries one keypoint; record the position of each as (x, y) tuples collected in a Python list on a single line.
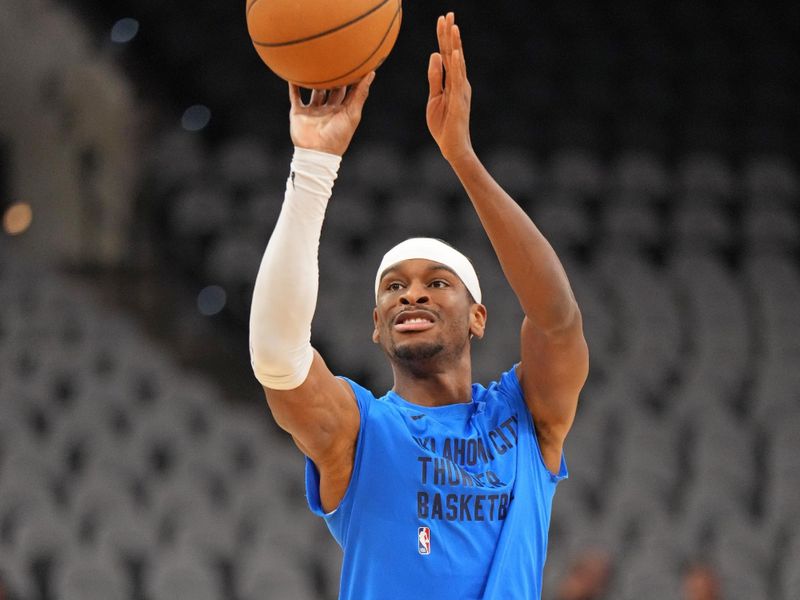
[(445, 502)]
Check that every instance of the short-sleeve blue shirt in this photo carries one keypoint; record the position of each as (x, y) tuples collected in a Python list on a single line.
[(445, 502)]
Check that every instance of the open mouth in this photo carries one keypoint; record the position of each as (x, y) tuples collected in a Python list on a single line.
[(414, 320)]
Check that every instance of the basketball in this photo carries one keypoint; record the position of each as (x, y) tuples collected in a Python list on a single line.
[(323, 44)]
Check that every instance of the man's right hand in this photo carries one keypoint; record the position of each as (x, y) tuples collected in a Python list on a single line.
[(329, 120)]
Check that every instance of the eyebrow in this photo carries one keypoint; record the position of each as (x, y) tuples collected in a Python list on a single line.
[(430, 269)]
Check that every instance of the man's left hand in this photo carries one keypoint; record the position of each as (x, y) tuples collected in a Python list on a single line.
[(449, 102)]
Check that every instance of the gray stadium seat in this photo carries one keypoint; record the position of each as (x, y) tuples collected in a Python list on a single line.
[(276, 568), (283, 579), (47, 539), (744, 546), (95, 504), (379, 167), (771, 179), (16, 574), (698, 227), (641, 174), (247, 163), (562, 219), (433, 173), (415, 214), (259, 212), (201, 211), (329, 556), (516, 170), (175, 158), (176, 578), (649, 579), (630, 226), (706, 174), (90, 577), (212, 538), (351, 212), (234, 258), (129, 537), (577, 172), (770, 230)]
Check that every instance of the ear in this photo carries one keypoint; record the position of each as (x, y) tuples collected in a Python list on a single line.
[(477, 320), (376, 336)]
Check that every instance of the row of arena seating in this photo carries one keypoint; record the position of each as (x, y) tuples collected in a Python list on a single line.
[(123, 476), (115, 461)]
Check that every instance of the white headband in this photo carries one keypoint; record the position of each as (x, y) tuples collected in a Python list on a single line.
[(437, 251)]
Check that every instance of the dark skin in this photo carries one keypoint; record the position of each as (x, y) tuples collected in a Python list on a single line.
[(432, 365), (427, 290)]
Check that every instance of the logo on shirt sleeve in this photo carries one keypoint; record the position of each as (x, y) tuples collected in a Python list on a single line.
[(424, 540)]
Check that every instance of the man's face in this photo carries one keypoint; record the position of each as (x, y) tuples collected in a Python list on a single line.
[(424, 311)]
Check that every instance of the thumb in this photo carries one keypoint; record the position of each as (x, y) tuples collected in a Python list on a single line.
[(435, 75)]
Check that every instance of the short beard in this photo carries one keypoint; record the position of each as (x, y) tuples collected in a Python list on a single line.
[(415, 352)]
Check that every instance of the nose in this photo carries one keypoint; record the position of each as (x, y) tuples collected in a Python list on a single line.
[(415, 294)]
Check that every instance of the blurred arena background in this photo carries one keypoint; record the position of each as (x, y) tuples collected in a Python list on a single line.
[(143, 153)]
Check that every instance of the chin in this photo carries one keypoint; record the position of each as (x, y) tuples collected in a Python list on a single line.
[(415, 351)]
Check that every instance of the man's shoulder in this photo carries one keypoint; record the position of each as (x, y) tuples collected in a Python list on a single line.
[(365, 397), (506, 386)]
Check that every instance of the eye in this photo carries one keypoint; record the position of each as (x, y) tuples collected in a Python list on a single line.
[(394, 286), (439, 283)]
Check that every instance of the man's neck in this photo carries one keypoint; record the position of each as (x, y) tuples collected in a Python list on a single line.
[(452, 385)]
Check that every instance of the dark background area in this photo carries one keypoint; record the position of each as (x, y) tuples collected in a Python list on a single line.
[(669, 77)]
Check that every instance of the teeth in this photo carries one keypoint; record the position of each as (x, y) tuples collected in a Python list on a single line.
[(416, 321)]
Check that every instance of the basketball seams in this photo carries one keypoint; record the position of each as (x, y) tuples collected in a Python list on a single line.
[(320, 34), (250, 5), (397, 13)]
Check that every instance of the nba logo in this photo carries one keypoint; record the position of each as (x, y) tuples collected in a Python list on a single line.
[(424, 540)]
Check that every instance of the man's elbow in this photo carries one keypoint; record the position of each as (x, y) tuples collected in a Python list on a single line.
[(563, 319)]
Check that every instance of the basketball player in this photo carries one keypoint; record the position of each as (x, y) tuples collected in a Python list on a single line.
[(440, 488)]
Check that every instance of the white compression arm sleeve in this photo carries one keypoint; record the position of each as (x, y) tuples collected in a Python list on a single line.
[(285, 293)]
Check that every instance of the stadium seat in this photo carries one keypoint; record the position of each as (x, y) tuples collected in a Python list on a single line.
[(378, 167), (90, 577), (563, 220), (773, 230), (516, 170), (177, 578), (246, 163), (771, 179), (700, 227), (577, 172), (640, 174), (274, 573), (707, 175)]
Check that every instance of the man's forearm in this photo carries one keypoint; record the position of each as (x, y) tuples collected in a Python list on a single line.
[(528, 260), (285, 293)]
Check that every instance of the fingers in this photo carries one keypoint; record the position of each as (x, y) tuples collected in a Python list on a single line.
[(457, 47), (442, 36), (318, 97), (357, 94), (294, 96), (449, 37), (435, 75), (458, 72), (336, 96)]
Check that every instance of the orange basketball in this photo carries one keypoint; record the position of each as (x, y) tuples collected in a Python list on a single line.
[(323, 43)]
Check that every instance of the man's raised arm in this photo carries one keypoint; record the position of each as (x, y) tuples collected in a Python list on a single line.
[(554, 355), (317, 409)]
